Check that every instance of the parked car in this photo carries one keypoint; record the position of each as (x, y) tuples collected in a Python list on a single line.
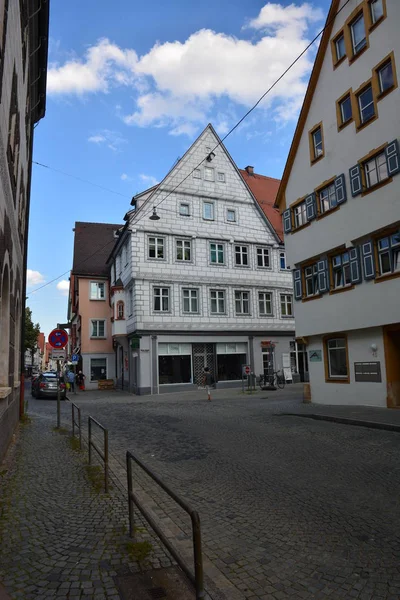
[(45, 386)]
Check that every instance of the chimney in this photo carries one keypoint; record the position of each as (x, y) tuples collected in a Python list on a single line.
[(250, 170)]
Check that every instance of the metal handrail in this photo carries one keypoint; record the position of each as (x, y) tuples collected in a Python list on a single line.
[(103, 455), (77, 424), (198, 578)]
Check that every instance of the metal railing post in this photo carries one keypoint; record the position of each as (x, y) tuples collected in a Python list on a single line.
[(106, 461), (130, 503), (90, 439), (73, 419), (80, 429), (198, 556)]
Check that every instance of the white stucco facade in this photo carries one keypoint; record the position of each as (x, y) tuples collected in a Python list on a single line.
[(194, 272), (366, 315)]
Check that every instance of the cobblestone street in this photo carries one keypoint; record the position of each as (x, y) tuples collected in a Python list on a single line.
[(290, 507)]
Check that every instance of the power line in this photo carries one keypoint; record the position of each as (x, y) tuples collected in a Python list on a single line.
[(80, 179), (208, 155), (252, 108)]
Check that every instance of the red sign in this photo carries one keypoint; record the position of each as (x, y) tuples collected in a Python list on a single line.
[(58, 338), (247, 370)]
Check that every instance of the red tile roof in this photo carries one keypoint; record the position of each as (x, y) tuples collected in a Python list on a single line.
[(265, 190)]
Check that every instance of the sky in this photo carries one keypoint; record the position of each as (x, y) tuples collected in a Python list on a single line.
[(129, 89)]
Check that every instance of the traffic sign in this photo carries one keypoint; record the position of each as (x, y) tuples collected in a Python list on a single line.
[(58, 338), (75, 358), (247, 369), (58, 354)]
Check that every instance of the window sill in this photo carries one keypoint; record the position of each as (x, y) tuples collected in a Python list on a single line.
[(4, 392), (342, 126), (353, 58), (315, 160), (287, 316), (341, 289), (98, 299), (339, 62), (301, 227), (362, 126), (375, 187), (98, 338), (378, 22), (386, 277), (328, 212), (385, 92), (347, 380), (309, 298)]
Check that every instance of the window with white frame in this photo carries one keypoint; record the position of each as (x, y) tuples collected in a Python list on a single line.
[(241, 256), (385, 76), (217, 254), (98, 369), (98, 328), (341, 270), (346, 109), (286, 305), (358, 37), (300, 215), (264, 257), (231, 215), (184, 250), (197, 174), (120, 310), (340, 47), (265, 304), (311, 280), (389, 254), (221, 177), (242, 302), (217, 302), (208, 211), (366, 105), (97, 290), (282, 261), (184, 209), (336, 350), (190, 300), (375, 170), (327, 198), (376, 8), (161, 301), (208, 174), (156, 247), (318, 146)]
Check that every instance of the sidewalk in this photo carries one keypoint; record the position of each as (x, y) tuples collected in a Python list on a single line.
[(58, 536), (364, 416)]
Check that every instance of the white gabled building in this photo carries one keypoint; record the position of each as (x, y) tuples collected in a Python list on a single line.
[(340, 199), (206, 284)]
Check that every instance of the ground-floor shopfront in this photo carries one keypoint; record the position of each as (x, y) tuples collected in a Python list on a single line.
[(96, 367), (358, 367), (169, 363)]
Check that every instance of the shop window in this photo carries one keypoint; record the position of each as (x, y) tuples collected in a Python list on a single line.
[(230, 360), (98, 369), (174, 369)]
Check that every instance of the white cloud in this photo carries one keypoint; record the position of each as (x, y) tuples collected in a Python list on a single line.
[(178, 84), (112, 139), (148, 179), (63, 287), (34, 278), (126, 177)]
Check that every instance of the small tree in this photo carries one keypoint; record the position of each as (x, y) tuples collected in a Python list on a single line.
[(31, 333)]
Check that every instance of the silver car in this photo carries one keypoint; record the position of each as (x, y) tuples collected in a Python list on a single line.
[(45, 386)]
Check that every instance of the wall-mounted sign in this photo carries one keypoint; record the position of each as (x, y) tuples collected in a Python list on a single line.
[(268, 344), (315, 355), (135, 341)]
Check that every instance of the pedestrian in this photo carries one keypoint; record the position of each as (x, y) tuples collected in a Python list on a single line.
[(71, 380), (207, 382), (81, 380)]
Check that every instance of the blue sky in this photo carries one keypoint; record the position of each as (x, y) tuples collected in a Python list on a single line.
[(130, 88)]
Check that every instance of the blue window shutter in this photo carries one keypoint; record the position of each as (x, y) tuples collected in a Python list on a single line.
[(355, 265), (287, 220), (368, 260), (393, 157), (355, 180), (323, 276), (311, 208), (340, 188), (298, 285)]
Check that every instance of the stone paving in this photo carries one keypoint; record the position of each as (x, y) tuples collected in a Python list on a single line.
[(290, 508), (59, 537)]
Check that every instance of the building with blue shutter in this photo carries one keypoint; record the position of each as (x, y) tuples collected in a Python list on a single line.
[(340, 204)]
